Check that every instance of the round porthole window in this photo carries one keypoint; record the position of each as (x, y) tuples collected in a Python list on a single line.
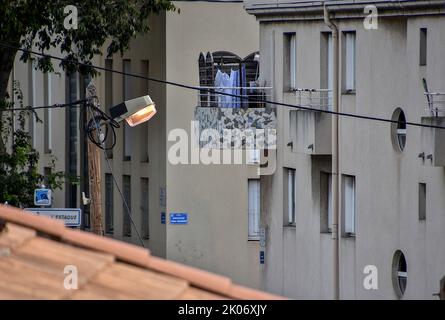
[(399, 273), (398, 130)]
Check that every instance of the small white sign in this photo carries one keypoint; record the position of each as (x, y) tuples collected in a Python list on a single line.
[(42, 197), (70, 216)]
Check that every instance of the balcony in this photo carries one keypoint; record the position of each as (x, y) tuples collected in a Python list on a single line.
[(433, 139), (240, 115), (310, 129)]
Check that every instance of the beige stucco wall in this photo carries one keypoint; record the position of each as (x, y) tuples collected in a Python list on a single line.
[(214, 196)]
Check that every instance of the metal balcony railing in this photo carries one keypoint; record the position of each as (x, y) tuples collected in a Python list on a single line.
[(320, 99), (234, 97), (436, 103)]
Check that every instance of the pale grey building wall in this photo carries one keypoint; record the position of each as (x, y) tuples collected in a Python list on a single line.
[(299, 259)]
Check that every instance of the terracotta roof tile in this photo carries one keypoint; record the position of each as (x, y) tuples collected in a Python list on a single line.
[(35, 250)]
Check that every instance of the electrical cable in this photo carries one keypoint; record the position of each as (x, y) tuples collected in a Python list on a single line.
[(54, 106), (343, 114)]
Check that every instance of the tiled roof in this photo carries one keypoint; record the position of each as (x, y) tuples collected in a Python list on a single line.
[(35, 250)]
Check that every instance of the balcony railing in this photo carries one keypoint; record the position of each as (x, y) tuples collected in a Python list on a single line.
[(320, 99), (436, 103), (234, 97)]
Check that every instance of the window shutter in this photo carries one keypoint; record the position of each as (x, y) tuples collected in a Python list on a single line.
[(254, 208)]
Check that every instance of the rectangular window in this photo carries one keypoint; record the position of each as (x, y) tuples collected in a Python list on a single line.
[(254, 205), (72, 138), (109, 214), (109, 101), (46, 173), (290, 61), (423, 46), (289, 193), (350, 61), (32, 100), (144, 126), (47, 116), (326, 69), (348, 205), (422, 201), (144, 208), (126, 230), (325, 202), (128, 94)]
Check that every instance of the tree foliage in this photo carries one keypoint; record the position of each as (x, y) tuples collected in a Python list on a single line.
[(19, 161), (40, 23)]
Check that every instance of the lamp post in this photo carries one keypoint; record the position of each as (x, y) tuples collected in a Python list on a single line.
[(94, 172), (134, 112)]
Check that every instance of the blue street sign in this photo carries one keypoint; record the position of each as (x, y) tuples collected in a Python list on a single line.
[(261, 257), (42, 197), (162, 217), (178, 218), (70, 216)]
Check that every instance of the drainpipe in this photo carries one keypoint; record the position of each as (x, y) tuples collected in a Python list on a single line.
[(335, 156)]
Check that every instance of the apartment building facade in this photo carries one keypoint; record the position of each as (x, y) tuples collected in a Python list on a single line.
[(391, 190), (211, 197)]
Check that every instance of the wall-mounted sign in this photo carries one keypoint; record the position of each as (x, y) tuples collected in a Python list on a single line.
[(42, 197), (179, 218), (262, 237), (70, 216), (162, 217)]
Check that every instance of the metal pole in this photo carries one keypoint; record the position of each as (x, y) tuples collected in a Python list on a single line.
[(336, 180), (94, 171)]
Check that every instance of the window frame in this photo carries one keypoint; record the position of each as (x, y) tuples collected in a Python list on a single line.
[(254, 213), (289, 204), (350, 62), (290, 60), (349, 201)]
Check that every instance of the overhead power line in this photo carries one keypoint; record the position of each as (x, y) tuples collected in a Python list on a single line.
[(190, 87), (53, 106)]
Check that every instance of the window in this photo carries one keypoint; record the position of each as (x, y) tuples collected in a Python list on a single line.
[(144, 208), (325, 202), (109, 101), (128, 94), (327, 68), (109, 214), (126, 231), (289, 193), (47, 116), (422, 201), (350, 62), (72, 138), (398, 130), (31, 100), (423, 46), (254, 208), (290, 60), (399, 273), (144, 127), (46, 173), (348, 205)]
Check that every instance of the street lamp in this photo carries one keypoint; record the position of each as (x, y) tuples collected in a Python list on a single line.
[(134, 111)]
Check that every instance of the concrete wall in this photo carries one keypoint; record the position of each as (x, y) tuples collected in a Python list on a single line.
[(32, 84), (299, 260), (214, 196), (149, 47)]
